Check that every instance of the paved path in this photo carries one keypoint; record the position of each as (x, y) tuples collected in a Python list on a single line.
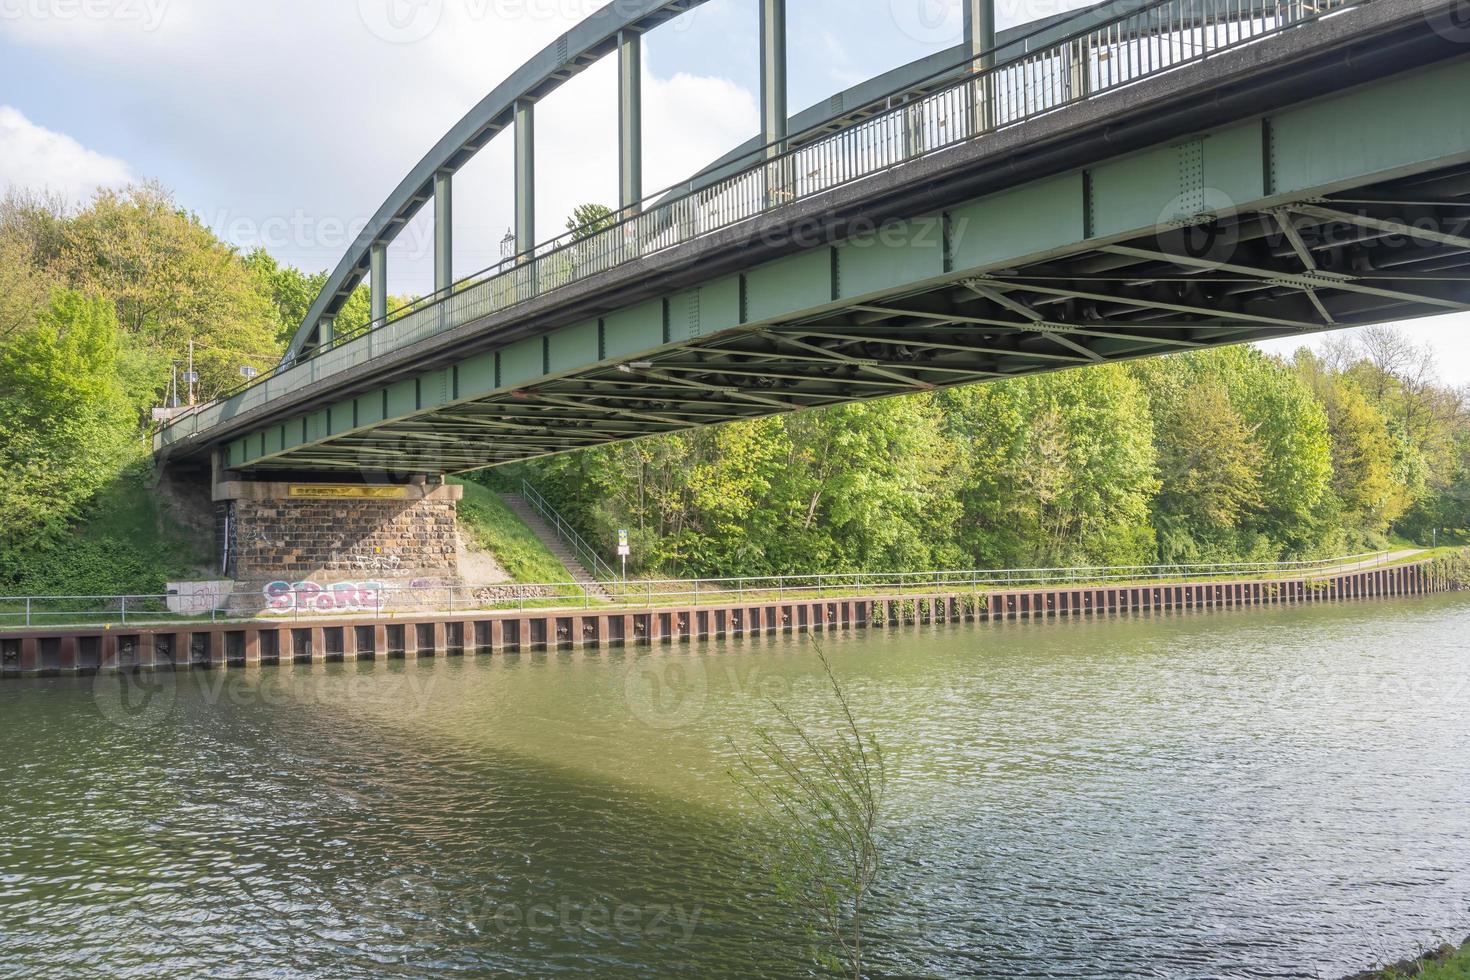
[(1386, 558)]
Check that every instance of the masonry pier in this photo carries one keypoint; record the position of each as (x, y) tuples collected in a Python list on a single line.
[(347, 540)]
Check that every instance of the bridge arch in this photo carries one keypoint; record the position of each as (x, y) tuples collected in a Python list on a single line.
[(616, 30)]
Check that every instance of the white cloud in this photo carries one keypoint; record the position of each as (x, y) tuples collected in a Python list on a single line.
[(35, 158), (292, 138)]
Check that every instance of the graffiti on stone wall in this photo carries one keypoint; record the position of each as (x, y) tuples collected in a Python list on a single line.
[(252, 536), (282, 598), (374, 562)]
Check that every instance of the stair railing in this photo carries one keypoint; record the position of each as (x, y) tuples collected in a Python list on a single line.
[(589, 558)]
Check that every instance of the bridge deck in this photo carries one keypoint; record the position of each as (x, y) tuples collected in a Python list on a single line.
[(1241, 195)]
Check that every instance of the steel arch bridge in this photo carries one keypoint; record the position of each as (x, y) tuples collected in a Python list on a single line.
[(1135, 178)]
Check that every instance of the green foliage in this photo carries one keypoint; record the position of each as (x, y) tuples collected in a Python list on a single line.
[(1452, 568), (821, 792), (65, 420), (1217, 455), (772, 496), (124, 542), (1210, 468), (1059, 469), (97, 305), (1446, 963), (589, 219), (484, 519), (171, 281), (290, 290)]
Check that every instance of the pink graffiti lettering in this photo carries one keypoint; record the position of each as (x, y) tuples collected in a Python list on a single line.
[(341, 597)]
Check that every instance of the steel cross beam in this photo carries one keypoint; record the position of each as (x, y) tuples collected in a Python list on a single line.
[(924, 338), (1309, 262), (724, 390), (863, 364), (1173, 307), (1387, 226), (1305, 283), (1108, 330), (993, 292)]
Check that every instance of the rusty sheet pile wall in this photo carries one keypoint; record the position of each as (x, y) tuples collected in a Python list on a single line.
[(205, 646)]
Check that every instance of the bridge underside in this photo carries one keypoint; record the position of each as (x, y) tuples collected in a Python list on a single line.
[(1389, 251), (1342, 212)]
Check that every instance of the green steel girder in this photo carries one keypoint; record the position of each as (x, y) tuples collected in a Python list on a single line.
[(1346, 211)]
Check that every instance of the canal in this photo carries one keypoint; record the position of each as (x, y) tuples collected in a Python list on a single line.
[(1275, 792)]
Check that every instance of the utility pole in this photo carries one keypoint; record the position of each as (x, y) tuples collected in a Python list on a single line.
[(190, 375)]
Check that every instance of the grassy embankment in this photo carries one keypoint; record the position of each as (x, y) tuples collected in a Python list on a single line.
[(1446, 963), (485, 521), (127, 543)]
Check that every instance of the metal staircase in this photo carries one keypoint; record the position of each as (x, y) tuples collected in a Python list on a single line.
[(586, 567)]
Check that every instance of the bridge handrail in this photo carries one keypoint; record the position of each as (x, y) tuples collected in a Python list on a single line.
[(1104, 57), (25, 612), (588, 555)]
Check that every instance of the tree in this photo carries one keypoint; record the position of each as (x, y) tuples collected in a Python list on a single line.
[(171, 281), (1209, 472), (66, 425), (291, 291), (23, 286), (588, 219), (1287, 427), (1059, 468), (1363, 456)]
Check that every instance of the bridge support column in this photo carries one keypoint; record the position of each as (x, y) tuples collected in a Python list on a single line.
[(774, 110), (525, 176), (443, 231), (979, 30), (630, 119), (378, 280), (320, 548)]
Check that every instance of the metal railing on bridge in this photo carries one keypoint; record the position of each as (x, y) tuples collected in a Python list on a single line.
[(359, 599), (1142, 43)]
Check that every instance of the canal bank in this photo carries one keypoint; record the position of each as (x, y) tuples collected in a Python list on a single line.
[(183, 646)]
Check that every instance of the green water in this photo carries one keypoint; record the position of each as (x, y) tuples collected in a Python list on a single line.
[(1256, 793)]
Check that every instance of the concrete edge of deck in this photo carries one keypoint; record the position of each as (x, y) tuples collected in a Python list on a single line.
[(85, 651)]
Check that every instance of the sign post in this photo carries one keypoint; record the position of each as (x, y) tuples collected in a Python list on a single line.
[(624, 550)]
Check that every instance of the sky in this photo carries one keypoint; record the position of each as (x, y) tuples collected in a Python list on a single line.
[(285, 124)]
